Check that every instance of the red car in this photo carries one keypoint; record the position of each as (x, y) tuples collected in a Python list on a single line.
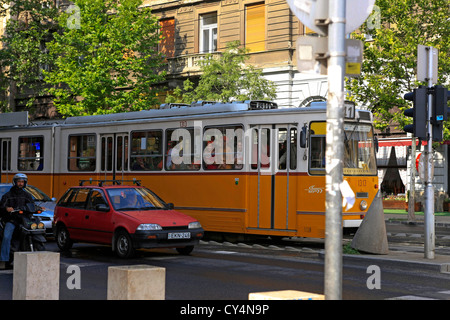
[(127, 217)]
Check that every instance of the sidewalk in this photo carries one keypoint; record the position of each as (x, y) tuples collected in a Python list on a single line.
[(442, 219), (407, 259)]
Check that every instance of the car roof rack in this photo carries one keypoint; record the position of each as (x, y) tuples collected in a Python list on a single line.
[(114, 182)]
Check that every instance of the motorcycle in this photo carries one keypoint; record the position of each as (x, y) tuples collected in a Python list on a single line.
[(30, 234)]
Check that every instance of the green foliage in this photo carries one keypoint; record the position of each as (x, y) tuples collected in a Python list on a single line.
[(110, 63), (226, 78), (390, 60), (23, 55)]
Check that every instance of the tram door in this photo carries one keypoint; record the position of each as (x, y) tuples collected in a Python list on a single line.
[(5, 160), (114, 156), (272, 161)]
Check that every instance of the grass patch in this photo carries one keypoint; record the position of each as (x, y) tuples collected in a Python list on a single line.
[(347, 249), (420, 213)]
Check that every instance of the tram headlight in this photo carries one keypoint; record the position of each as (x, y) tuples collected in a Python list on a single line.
[(363, 205), (33, 226), (40, 225)]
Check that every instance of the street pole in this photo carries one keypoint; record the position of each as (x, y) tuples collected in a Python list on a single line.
[(412, 184), (334, 149), (429, 243)]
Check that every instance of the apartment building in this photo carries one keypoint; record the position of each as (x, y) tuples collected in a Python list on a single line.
[(268, 29)]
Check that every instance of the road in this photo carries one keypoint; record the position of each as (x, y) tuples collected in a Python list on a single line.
[(225, 271)]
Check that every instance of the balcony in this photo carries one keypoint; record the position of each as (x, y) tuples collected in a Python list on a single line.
[(187, 64)]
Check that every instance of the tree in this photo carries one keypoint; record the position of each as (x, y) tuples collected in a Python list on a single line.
[(226, 78), (23, 55), (106, 58), (389, 65)]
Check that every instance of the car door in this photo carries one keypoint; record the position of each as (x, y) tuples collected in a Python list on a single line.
[(72, 212), (98, 222)]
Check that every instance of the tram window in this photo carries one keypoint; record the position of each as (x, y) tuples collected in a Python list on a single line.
[(283, 144), (82, 153), (223, 148), (6, 155), (146, 150), (181, 151), (261, 157), (317, 147), (31, 153)]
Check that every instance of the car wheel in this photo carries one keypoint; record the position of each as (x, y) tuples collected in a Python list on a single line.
[(185, 250), (124, 245), (63, 238)]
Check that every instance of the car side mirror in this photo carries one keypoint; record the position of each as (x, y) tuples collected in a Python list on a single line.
[(170, 206), (102, 207)]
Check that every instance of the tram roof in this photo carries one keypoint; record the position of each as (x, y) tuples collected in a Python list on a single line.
[(177, 110)]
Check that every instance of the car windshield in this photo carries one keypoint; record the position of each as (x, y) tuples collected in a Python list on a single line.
[(134, 199), (36, 194)]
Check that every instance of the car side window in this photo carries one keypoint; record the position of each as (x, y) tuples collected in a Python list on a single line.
[(78, 198), (95, 199)]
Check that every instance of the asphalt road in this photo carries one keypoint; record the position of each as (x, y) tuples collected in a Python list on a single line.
[(225, 271)]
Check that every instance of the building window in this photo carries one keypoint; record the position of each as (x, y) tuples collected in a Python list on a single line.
[(167, 36), (255, 27), (208, 32)]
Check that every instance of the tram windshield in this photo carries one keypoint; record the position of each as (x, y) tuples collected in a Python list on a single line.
[(359, 149), (359, 152)]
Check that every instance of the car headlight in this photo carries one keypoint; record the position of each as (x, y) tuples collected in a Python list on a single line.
[(33, 226), (148, 227), (194, 225), (363, 205)]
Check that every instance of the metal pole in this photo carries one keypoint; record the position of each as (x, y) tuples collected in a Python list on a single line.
[(412, 184), (335, 150), (429, 243)]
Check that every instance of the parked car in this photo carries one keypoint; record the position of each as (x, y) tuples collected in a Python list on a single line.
[(126, 217), (41, 199)]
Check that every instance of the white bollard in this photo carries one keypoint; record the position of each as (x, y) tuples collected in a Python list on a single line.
[(36, 276), (138, 282)]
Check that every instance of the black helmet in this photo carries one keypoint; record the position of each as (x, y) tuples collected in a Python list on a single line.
[(20, 176)]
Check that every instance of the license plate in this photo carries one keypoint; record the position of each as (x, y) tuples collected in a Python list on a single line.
[(179, 235)]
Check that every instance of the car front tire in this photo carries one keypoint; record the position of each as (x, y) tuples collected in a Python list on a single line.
[(123, 245)]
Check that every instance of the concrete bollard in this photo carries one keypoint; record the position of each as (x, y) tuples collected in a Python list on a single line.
[(138, 282), (285, 295), (36, 276)]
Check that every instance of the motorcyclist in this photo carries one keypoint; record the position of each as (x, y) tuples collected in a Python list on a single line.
[(15, 198)]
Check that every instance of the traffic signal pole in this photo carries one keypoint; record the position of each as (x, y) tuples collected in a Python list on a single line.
[(429, 243), (334, 149)]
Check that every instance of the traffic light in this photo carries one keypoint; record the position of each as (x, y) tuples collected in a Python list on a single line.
[(418, 112), (439, 111)]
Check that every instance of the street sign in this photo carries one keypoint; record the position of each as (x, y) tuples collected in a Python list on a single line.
[(312, 55), (423, 63), (312, 13)]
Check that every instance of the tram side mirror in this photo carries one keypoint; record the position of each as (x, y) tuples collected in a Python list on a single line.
[(375, 140), (303, 136)]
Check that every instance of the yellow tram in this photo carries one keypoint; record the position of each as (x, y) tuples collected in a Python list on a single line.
[(241, 168)]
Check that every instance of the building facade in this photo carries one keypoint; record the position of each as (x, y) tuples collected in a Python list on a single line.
[(192, 28)]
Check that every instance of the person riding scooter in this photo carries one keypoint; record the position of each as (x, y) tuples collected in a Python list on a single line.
[(15, 198)]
